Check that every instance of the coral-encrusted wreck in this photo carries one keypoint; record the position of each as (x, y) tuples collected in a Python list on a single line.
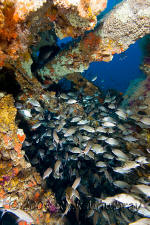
[(21, 22)]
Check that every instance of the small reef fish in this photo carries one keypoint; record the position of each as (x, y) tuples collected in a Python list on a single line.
[(55, 136), (145, 189), (121, 184), (142, 221), (34, 102), (71, 101), (126, 199), (87, 128), (47, 173), (145, 121), (112, 141), (76, 183), (98, 149), (22, 215), (57, 167), (26, 113), (120, 154), (70, 132), (94, 79), (91, 145), (101, 164), (121, 114), (108, 124), (126, 167)]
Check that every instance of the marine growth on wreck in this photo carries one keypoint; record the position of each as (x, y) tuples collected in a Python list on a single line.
[(73, 152)]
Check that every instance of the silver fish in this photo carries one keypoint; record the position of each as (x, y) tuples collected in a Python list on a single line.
[(108, 176), (126, 168), (121, 114), (36, 125), (26, 113), (101, 164), (90, 154), (76, 183), (111, 106), (108, 156), (112, 141), (126, 199), (101, 130), (83, 122), (94, 79), (105, 215), (71, 101), (75, 119), (143, 221), (98, 149), (108, 119), (34, 102), (87, 128), (86, 138), (141, 160), (130, 138), (120, 154), (47, 172), (121, 184), (75, 150), (101, 138), (145, 189), (64, 96), (57, 166), (145, 121), (87, 149), (22, 215), (144, 211), (56, 138), (109, 124), (70, 132)]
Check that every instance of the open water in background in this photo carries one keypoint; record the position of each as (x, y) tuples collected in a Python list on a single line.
[(118, 73)]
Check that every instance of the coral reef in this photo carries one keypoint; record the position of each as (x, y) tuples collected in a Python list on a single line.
[(21, 22), (76, 17), (26, 25), (81, 83), (92, 150), (119, 30), (17, 19), (20, 184), (137, 96)]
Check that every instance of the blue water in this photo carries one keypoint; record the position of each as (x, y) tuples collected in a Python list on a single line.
[(118, 73)]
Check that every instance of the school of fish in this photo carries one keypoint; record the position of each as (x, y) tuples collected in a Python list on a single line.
[(87, 152)]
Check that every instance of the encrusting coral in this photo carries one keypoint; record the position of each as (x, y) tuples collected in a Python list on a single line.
[(139, 93), (20, 184), (20, 23), (121, 28), (76, 17)]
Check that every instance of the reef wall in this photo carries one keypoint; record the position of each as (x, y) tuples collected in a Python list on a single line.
[(21, 22), (118, 30), (21, 187)]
